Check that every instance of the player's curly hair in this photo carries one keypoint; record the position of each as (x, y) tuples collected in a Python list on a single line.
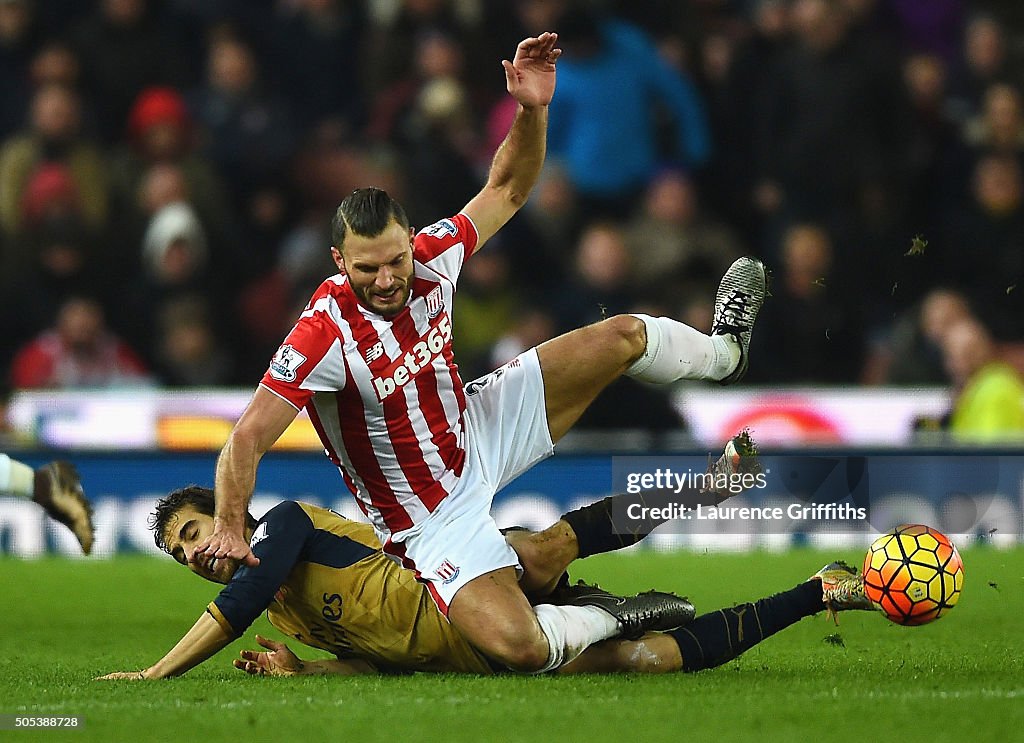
[(367, 212), (167, 508)]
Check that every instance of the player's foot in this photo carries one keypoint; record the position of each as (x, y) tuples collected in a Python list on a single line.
[(842, 589), (739, 458), (58, 490), (739, 298), (651, 611)]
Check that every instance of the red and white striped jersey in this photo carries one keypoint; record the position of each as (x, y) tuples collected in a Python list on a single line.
[(385, 395)]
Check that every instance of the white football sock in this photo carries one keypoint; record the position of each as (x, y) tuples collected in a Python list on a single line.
[(16, 478), (572, 629), (676, 351)]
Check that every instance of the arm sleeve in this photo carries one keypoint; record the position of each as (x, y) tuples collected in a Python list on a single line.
[(446, 245), (278, 541), (309, 360)]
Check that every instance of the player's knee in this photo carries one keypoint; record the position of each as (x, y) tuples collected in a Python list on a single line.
[(526, 657), (523, 649), (629, 332)]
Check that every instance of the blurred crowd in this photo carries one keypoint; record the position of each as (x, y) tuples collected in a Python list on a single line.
[(168, 171)]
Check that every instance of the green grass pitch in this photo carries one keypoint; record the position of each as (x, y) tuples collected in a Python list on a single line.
[(961, 678)]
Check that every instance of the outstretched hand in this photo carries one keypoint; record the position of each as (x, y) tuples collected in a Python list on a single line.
[(224, 544), (530, 77), (280, 661), (123, 676)]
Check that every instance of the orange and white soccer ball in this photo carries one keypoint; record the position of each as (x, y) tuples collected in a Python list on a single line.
[(913, 574)]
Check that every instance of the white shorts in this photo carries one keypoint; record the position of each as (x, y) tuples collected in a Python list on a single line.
[(506, 434)]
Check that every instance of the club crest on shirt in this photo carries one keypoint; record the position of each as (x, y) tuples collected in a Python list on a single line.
[(447, 572), (285, 363), (435, 303)]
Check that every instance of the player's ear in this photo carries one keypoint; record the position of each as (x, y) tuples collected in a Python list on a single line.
[(338, 260)]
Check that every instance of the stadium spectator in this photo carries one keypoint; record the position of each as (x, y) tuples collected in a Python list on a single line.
[(50, 196), (999, 127), (430, 119), (486, 311), (912, 352), (114, 33), (188, 352), (247, 126), (938, 163), (988, 393), (317, 46), (806, 117), (79, 352), (56, 63), (63, 258), (982, 251), (176, 264), (160, 132), (676, 250), (531, 328), (19, 38), (56, 487), (54, 137), (985, 60), (600, 285), (610, 83), (832, 136), (815, 337), (734, 105), (395, 26)]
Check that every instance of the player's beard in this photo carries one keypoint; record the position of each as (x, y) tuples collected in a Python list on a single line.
[(397, 301)]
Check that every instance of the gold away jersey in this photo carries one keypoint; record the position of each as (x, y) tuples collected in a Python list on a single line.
[(324, 581)]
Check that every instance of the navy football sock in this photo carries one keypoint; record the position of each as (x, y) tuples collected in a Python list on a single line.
[(606, 525), (716, 638), (595, 528)]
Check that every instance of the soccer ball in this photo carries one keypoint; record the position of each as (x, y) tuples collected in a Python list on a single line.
[(913, 574)]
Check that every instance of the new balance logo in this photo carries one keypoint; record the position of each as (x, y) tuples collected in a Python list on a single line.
[(375, 352), (420, 356)]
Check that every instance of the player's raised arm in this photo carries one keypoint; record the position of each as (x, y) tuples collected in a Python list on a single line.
[(264, 420), (530, 79)]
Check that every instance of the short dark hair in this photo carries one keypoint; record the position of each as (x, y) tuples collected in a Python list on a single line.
[(200, 498), (367, 212)]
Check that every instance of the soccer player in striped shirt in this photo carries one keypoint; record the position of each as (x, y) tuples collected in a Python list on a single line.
[(370, 360)]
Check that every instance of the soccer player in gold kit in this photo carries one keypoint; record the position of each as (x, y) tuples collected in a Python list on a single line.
[(324, 581)]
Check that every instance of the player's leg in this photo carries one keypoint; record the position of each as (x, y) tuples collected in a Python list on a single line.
[(720, 636), (493, 614), (578, 365), (54, 486), (601, 527), (471, 573)]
